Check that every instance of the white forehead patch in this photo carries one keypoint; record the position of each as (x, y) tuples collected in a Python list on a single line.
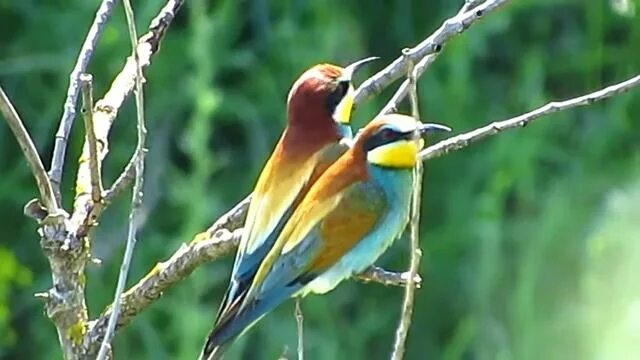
[(402, 123)]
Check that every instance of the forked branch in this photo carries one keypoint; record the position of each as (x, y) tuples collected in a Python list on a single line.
[(62, 136), (431, 45)]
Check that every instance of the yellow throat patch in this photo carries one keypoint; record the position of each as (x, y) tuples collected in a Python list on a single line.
[(342, 113), (399, 154)]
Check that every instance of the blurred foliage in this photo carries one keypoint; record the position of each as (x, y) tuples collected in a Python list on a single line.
[(531, 238)]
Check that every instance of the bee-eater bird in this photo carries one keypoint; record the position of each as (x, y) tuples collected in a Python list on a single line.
[(347, 219), (319, 108)]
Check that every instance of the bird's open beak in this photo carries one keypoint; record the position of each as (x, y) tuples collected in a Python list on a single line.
[(348, 71), (430, 127)]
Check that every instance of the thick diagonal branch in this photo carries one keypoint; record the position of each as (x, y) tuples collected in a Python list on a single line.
[(220, 239)]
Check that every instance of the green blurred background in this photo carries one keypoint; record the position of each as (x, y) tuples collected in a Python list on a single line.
[(531, 238)]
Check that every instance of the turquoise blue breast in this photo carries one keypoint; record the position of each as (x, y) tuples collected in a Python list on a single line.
[(396, 186), (345, 131)]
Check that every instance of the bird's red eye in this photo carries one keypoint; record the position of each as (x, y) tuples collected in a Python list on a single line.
[(387, 134)]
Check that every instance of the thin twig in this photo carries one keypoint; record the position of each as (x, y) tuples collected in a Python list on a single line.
[(124, 179), (422, 65), (387, 278), (30, 152), (409, 290), (469, 5), (86, 213), (431, 45), (300, 326), (86, 84), (60, 147), (463, 140), (136, 198), (403, 89)]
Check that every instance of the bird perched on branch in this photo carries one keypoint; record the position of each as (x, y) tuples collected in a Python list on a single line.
[(319, 108), (348, 218)]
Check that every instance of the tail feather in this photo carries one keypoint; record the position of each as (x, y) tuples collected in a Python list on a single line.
[(211, 351), (237, 319)]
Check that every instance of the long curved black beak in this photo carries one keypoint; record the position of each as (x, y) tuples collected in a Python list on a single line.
[(431, 127), (350, 69)]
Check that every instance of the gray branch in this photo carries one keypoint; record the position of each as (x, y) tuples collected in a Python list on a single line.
[(463, 140), (29, 150), (62, 136), (136, 196), (387, 278), (431, 45), (64, 238), (414, 231), (86, 84)]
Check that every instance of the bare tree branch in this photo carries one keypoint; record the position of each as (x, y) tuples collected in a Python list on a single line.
[(30, 152), (136, 197), (86, 84), (431, 45), (387, 278), (463, 140), (403, 89), (207, 246), (424, 63), (60, 147), (63, 238), (414, 226), (469, 4), (106, 110), (124, 179), (300, 326)]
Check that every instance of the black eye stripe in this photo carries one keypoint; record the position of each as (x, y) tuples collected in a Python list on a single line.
[(337, 95), (385, 136)]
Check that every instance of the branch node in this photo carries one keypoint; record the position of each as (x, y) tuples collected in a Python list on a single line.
[(35, 210), (417, 279)]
